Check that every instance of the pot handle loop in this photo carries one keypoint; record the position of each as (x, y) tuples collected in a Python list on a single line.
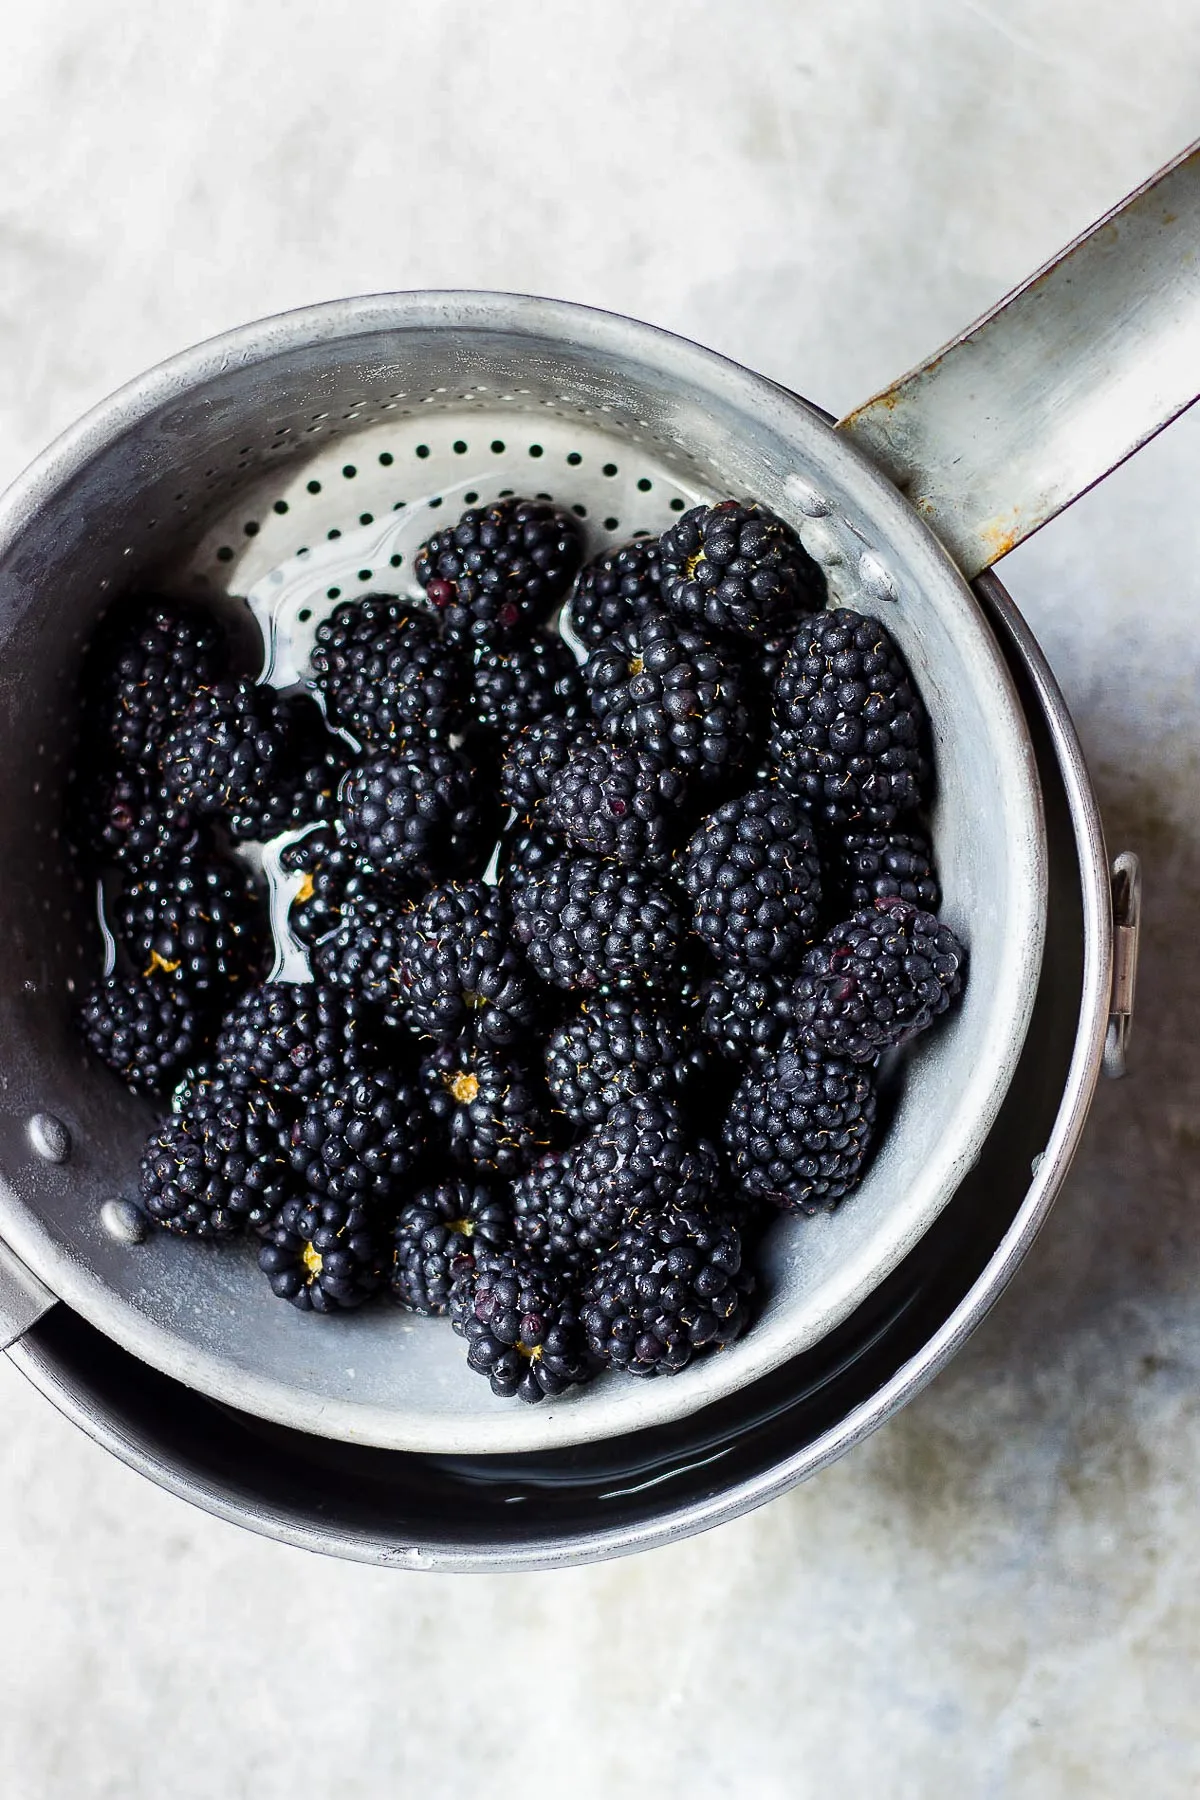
[(1054, 387), (23, 1298)]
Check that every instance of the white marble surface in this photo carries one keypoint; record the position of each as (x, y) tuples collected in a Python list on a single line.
[(996, 1595)]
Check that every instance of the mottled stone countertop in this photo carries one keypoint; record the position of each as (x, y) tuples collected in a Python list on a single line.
[(999, 1593)]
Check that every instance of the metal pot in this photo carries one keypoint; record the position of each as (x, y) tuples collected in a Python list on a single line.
[(64, 1146)]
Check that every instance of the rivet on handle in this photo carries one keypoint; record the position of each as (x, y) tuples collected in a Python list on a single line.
[(50, 1138)]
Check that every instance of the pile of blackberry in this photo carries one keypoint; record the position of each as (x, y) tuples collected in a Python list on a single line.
[(604, 952)]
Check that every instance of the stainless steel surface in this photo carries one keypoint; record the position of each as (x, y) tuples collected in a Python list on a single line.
[(49, 1137), (23, 1298), (1064, 379), (612, 1498), (207, 442), (1127, 927)]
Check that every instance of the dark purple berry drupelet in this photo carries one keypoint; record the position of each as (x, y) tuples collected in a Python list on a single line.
[(521, 1326), (849, 726), (436, 1240), (875, 981), (500, 571), (144, 1027), (595, 925), (799, 1130), (670, 1288), (738, 568), (615, 590), (753, 875)]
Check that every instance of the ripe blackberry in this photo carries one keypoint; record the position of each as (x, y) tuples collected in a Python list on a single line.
[(323, 1255), (357, 1139), (362, 956), (383, 672), (541, 1214), (660, 686), (738, 568), (740, 1011), (147, 661), (532, 759), (460, 974), (640, 1158), (413, 812), (799, 1128), (520, 1323), (875, 981), (612, 1050), (500, 570), (436, 1239), (333, 878), (141, 1026), (591, 924), (615, 802), (848, 723), (225, 749), (523, 854), (615, 590), (753, 875), (201, 926), (486, 1108), (305, 782), (219, 1165), (669, 1288), (296, 1036), (879, 865), (127, 818), (516, 686)]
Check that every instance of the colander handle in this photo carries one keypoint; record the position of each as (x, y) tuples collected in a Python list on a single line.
[(23, 1298), (1066, 377)]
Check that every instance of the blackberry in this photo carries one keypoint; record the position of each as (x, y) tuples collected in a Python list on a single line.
[(614, 1049), (541, 1214), (670, 1288), (323, 1255), (740, 1011), (660, 686), (147, 661), (520, 1324), (875, 981), (486, 1106), (356, 1140), (413, 812), (639, 1159), (127, 817), (383, 672), (591, 924), (362, 956), (532, 759), (880, 865), (615, 590), (754, 878), (201, 927), (332, 878), (141, 1026), (499, 570), (515, 687), (436, 1239), (848, 723), (738, 568), (225, 750), (460, 974), (799, 1129), (523, 854), (614, 802), (218, 1166), (295, 1036)]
